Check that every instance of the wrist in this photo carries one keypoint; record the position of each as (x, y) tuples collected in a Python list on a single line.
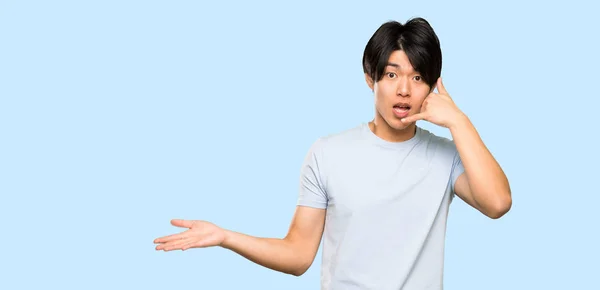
[(227, 239), (460, 121)]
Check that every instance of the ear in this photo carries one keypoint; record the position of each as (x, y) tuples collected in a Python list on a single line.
[(369, 81)]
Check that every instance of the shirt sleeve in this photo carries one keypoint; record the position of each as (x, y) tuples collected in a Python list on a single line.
[(457, 169), (312, 190)]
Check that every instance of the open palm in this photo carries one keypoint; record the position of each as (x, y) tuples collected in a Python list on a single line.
[(200, 234)]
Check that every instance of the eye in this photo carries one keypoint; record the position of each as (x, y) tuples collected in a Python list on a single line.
[(391, 75), (418, 78)]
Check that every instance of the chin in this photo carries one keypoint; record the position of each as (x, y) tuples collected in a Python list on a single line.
[(397, 125)]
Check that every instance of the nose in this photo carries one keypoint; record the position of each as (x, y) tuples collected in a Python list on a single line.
[(403, 88)]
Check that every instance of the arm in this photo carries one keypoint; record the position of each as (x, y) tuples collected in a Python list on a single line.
[(292, 254), (483, 185)]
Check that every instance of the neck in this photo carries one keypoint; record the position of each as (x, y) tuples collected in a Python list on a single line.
[(381, 129)]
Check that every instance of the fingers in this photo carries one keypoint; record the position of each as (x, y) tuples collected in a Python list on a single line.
[(178, 223), (414, 118), (440, 87), (170, 238), (175, 245)]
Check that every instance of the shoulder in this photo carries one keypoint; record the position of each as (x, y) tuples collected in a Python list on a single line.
[(340, 139), (438, 143)]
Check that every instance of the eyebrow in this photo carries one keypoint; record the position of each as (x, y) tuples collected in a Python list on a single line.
[(393, 64), (397, 66)]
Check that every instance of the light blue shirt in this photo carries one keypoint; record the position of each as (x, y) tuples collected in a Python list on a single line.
[(387, 205)]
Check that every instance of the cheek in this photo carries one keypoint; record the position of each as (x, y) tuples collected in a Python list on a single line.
[(419, 98), (381, 102), (383, 94), (419, 104)]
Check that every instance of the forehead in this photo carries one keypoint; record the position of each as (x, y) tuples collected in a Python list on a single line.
[(398, 60)]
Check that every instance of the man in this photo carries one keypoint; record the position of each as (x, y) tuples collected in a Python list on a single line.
[(379, 193)]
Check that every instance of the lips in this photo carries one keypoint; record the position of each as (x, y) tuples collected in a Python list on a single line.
[(401, 110)]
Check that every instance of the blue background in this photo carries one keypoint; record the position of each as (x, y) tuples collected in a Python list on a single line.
[(117, 116)]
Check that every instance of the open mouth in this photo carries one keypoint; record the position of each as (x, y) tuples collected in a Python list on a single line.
[(401, 109)]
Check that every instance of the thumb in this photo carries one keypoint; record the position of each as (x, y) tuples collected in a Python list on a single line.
[(413, 118), (440, 87), (182, 223)]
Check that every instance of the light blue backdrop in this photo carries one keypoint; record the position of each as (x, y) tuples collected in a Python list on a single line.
[(117, 116)]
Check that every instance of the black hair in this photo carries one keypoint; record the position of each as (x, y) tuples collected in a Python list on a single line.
[(416, 38)]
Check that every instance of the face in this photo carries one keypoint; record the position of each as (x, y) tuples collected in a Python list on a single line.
[(399, 93)]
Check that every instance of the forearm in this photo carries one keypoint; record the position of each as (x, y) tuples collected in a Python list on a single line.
[(281, 255), (488, 184)]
